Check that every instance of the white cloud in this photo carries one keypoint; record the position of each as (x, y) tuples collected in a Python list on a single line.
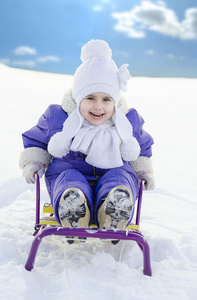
[(5, 61), (101, 6), (48, 58), (171, 56), (150, 52), (27, 63), (189, 25), (98, 8), (156, 17), (124, 54), (126, 24), (23, 50), (19, 63), (162, 3)]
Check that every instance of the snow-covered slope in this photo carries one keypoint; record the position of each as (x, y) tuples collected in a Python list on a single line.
[(96, 270)]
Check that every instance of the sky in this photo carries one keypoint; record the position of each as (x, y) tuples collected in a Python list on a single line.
[(156, 38)]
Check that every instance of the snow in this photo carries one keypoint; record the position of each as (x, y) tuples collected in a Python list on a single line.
[(98, 270)]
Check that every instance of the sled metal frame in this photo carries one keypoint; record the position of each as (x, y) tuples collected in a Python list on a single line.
[(127, 234)]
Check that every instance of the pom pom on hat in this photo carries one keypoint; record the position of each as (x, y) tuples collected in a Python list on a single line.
[(99, 73), (95, 48), (124, 75)]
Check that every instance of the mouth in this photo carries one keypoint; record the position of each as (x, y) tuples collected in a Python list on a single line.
[(96, 116)]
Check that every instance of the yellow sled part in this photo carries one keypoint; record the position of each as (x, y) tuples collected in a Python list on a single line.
[(51, 220)]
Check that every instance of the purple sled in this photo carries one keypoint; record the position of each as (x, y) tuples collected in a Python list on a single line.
[(127, 234)]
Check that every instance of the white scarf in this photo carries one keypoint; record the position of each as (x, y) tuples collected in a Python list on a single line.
[(105, 145), (100, 143)]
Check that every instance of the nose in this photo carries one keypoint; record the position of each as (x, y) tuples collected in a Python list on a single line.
[(97, 105)]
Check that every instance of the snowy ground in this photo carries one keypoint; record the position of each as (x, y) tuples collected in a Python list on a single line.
[(95, 270)]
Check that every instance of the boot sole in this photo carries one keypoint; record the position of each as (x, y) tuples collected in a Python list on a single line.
[(111, 217), (73, 209)]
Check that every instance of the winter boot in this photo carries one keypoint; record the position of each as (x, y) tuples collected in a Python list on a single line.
[(73, 211), (116, 209)]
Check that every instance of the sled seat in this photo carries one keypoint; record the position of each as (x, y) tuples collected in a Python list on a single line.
[(48, 225), (51, 220)]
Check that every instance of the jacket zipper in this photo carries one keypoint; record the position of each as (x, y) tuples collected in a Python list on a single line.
[(94, 173)]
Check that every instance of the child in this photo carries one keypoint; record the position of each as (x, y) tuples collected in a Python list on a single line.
[(92, 147)]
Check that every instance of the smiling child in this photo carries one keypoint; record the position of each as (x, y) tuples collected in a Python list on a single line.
[(92, 148)]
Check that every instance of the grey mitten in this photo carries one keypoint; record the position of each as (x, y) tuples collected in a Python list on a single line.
[(149, 180), (31, 169)]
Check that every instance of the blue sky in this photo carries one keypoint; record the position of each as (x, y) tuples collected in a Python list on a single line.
[(156, 38)]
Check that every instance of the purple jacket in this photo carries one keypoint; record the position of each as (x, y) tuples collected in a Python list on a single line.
[(52, 121)]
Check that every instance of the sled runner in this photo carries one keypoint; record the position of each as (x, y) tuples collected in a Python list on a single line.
[(49, 226)]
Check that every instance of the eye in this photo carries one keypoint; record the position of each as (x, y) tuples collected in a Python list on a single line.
[(90, 98), (107, 100)]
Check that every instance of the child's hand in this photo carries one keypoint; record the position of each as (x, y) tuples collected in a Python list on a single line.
[(148, 177), (31, 169)]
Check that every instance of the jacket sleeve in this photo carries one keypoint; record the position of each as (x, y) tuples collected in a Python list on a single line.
[(145, 140), (35, 140)]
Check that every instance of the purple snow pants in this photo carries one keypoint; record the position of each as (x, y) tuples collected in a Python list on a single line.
[(94, 195)]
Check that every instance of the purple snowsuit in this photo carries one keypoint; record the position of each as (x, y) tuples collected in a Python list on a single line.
[(73, 171)]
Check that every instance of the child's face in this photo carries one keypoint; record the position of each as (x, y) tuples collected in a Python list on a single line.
[(97, 108)]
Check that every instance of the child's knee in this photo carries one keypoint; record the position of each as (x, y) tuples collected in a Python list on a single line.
[(71, 179)]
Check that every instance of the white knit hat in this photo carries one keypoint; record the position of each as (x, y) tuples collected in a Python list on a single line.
[(97, 73)]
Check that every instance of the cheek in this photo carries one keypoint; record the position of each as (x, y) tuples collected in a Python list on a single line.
[(83, 109), (111, 110)]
